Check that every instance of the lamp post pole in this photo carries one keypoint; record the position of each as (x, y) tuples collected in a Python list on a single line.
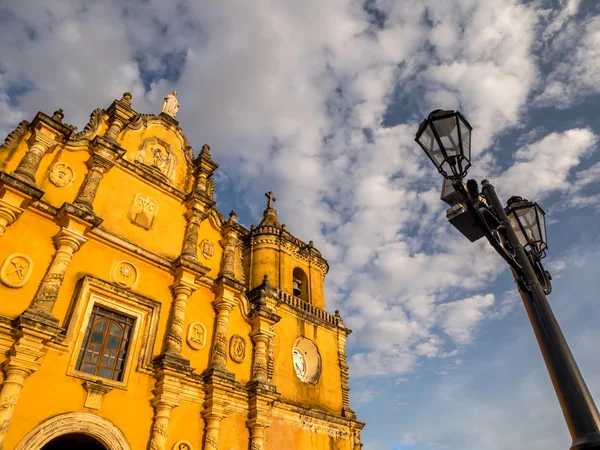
[(445, 136), (575, 400)]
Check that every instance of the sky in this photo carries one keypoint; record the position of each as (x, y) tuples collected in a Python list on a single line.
[(319, 102)]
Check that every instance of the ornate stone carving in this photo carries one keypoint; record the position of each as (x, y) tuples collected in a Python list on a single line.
[(183, 445), (223, 307), (228, 260), (182, 291), (237, 348), (97, 165), (143, 211), (78, 422), (16, 270), (67, 243), (125, 274), (208, 249), (210, 188), (190, 242), (61, 175), (156, 154), (92, 127), (95, 392), (39, 145), (196, 335)]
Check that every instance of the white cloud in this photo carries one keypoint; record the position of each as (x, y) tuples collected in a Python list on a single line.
[(578, 75), (460, 318), (545, 165)]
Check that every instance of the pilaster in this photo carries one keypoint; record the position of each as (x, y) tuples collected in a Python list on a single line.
[(30, 337), (262, 320), (218, 386), (120, 113), (204, 167), (195, 214), (167, 394), (15, 196), (342, 335), (74, 223), (262, 397), (106, 153), (46, 133)]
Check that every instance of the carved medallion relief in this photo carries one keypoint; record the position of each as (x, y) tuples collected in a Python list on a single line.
[(208, 249), (61, 175), (156, 155), (237, 348), (196, 335), (16, 270), (125, 274), (183, 445), (143, 211)]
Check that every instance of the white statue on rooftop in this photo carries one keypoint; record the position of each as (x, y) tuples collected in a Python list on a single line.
[(170, 104)]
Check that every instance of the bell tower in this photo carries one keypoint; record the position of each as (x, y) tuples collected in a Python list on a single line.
[(291, 265)]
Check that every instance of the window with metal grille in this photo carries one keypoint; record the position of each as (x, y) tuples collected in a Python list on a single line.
[(105, 344)]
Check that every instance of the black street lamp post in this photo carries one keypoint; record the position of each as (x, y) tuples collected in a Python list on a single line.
[(518, 234)]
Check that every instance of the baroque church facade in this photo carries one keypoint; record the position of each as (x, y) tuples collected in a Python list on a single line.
[(134, 315)]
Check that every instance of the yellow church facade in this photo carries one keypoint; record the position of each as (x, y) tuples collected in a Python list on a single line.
[(134, 315)]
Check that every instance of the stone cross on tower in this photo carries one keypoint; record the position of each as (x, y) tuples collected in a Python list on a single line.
[(271, 198)]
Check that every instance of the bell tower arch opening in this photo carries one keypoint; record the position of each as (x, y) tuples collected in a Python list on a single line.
[(301, 286), (74, 441)]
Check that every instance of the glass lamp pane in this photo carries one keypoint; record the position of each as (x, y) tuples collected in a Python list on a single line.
[(465, 136), (542, 222), (515, 225), (447, 130), (528, 218), (430, 144)]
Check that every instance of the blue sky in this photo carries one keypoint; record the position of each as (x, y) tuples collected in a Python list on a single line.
[(319, 102)]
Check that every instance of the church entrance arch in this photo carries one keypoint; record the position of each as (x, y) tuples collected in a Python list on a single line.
[(74, 431), (74, 441)]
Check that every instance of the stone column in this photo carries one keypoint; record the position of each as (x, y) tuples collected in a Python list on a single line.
[(22, 362), (160, 425), (211, 431), (39, 145), (97, 166), (8, 215), (257, 436), (223, 306), (166, 397), (190, 242), (115, 128), (228, 263), (260, 338), (182, 291), (67, 243), (201, 182), (9, 396)]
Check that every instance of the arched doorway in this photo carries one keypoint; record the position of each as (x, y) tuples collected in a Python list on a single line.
[(78, 425), (74, 441)]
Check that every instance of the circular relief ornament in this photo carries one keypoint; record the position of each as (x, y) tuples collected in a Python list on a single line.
[(183, 445), (61, 175), (16, 270), (125, 274), (196, 335), (299, 363), (306, 360), (237, 348)]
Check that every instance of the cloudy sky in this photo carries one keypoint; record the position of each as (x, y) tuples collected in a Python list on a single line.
[(319, 101)]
